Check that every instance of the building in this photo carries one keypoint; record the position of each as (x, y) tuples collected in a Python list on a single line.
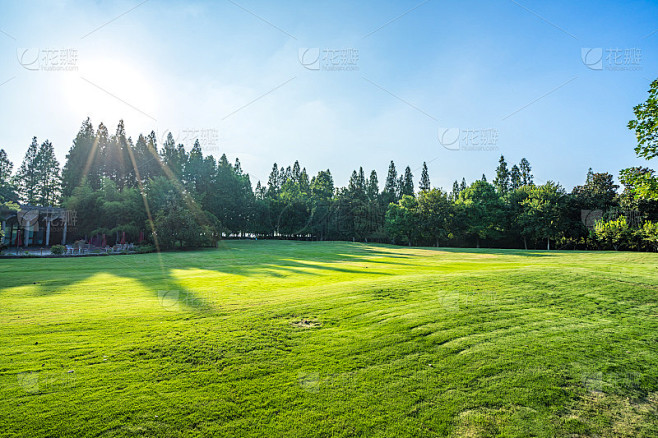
[(38, 226)]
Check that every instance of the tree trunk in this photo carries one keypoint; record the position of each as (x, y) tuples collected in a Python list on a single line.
[(525, 242), (477, 242), (548, 244)]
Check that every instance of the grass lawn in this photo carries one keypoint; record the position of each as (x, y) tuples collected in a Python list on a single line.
[(302, 339)]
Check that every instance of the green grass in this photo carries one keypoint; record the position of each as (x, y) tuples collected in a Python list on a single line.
[(330, 339)]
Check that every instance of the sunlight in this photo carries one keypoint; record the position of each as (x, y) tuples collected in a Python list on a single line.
[(111, 89)]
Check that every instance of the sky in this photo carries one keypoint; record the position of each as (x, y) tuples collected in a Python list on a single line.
[(338, 84)]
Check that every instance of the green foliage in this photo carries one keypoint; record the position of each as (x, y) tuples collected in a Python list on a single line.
[(480, 210), (402, 220), (502, 180), (57, 249), (543, 212), (614, 233), (645, 124)]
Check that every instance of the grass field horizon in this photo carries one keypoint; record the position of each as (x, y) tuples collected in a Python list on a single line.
[(272, 338)]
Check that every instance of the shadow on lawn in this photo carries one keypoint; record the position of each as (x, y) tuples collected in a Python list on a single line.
[(156, 271), (277, 259)]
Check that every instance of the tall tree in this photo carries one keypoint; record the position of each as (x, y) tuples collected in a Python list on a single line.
[(480, 211), (49, 181), (644, 184), (7, 187), (515, 177), (425, 184), (407, 183), (502, 180), (274, 182), (27, 177), (80, 159), (372, 189), (526, 172), (390, 187)]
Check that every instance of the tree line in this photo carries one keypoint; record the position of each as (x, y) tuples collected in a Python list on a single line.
[(181, 198)]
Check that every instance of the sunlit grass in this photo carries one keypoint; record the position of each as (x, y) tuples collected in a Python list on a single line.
[(330, 339)]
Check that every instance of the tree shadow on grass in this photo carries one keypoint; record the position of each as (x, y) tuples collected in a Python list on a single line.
[(157, 272)]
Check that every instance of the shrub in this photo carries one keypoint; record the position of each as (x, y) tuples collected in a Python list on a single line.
[(615, 233), (57, 249), (144, 249)]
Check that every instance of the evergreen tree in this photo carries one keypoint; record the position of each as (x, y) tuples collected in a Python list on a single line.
[(391, 185), (425, 184), (48, 182), (526, 174), (407, 183), (7, 188), (484, 178), (372, 190), (463, 185), (454, 194), (27, 177), (274, 182), (515, 177), (502, 180), (80, 159)]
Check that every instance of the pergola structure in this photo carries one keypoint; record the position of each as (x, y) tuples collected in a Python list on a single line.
[(33, 225)]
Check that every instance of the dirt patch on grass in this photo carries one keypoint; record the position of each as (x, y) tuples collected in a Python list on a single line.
[(304, 323), (607, 415)]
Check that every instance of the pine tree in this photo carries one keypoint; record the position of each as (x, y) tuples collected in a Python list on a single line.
[(373, 186), (526, 175), (296, 172), (274, 182), (7, 188), (515, 177), (425, 184), (49, 181), (407, 183), (390, 193), (27, 177), (80, 159), (484, 177), (260, 191), (455, 191), (502, 181), (463, 185), (97, 167)]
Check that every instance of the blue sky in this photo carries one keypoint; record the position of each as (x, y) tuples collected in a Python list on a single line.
[(425, 73)]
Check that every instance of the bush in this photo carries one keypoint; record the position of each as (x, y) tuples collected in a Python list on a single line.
[(145, 249), (57, 249)]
